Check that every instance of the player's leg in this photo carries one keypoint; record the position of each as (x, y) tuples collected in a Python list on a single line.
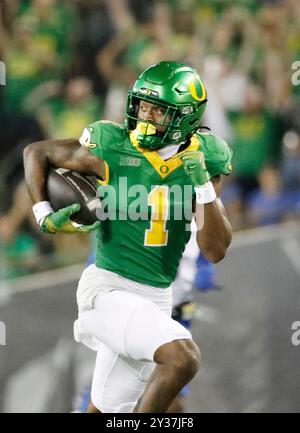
[(92, 408), (153, 335), (177, 363), (170, 345), (118, 382), (86, 405), (136, 328), (178, 405), (182, 313)]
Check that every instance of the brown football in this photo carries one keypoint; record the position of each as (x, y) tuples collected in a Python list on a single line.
[(65, 187)]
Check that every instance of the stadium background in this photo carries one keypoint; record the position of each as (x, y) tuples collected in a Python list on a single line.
[(69, 63)]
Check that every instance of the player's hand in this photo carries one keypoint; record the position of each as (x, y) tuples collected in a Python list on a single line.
[(194, 166), (60, 221)]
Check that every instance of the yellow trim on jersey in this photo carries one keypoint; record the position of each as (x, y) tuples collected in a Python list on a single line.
[(162, 167), (106, 180), (193, 90)]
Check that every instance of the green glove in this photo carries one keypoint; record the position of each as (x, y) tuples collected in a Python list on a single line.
[(194, 166), (59, 221)]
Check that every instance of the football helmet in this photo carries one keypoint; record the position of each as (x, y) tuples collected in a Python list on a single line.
[(176, 87)]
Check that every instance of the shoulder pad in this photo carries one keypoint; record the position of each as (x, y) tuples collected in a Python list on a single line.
[(217, 152), (100, 136)]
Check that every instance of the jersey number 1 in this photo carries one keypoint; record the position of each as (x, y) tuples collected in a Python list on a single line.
[(157, 235)]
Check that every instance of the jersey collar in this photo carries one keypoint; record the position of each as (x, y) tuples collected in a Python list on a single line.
[(162, 167)]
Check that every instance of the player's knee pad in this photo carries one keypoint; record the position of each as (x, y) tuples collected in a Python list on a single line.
[(110, 405), (108, 398), (118, 382)]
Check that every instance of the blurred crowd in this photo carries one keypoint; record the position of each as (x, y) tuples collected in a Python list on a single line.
[(71, 62)]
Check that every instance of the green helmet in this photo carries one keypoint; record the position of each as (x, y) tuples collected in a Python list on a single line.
[(179, 89)]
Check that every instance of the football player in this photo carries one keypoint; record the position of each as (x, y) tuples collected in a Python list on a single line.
[(124, 300), (194, 271)]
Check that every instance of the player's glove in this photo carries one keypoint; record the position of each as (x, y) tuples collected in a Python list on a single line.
[(194, 166), (60, 221)]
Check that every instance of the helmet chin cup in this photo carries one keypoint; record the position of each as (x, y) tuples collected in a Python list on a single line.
[(147, 136), (150, 142), (145, 128)]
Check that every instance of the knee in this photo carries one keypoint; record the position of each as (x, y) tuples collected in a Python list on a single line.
[(189, 358), (182, 356)]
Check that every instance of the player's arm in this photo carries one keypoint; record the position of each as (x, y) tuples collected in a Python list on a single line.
[(214, 230), (67, 154)]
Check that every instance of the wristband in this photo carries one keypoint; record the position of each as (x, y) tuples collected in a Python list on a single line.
[(205, 193), (41, 210)]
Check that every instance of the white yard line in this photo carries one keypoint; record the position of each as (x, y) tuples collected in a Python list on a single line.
[(292, 250), (41, 280), (265, 234)]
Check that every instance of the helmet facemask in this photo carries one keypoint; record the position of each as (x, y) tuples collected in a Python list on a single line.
[(183, 123), (150, 135)]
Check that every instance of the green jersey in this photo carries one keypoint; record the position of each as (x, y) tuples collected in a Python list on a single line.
[(144, 237)]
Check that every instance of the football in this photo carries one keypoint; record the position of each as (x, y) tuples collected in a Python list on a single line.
[(66, 187)]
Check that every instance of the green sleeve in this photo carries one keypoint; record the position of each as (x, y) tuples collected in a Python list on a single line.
[(102, 138), (91, 139)]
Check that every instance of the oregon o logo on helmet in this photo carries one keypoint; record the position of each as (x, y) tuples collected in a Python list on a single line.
[(2, 334), (2, 74), (197, 89)]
